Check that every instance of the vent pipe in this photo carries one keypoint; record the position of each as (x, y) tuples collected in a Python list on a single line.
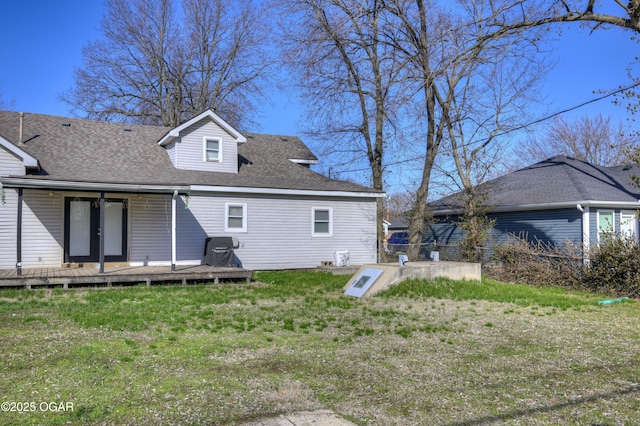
[(20, 142)]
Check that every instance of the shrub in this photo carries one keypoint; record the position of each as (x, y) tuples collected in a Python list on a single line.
[(535, 262), (614, 268)]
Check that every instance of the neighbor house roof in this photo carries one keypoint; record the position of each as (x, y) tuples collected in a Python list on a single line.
[(555, 183), (79, 150)]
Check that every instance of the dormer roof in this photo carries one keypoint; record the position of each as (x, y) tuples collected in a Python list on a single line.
[(174, 133)]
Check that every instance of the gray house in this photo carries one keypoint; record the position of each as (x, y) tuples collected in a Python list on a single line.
[(160, 192), (555, 201)]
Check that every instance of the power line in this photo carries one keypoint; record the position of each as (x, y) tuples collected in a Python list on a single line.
[(521, 127)]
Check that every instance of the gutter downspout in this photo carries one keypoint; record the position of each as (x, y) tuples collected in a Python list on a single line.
[(173, 229), (585, 233)]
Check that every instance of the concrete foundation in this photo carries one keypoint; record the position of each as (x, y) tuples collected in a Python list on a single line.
[(394, 273)]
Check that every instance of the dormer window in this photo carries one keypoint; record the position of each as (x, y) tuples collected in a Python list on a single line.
[(212, 149)]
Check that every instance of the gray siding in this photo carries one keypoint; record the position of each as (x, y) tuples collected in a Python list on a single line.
[(278, 235), (9, 165), (279, 230), (42, 226), (41, 229), (555, 227), (8, 210), (552, 226), (445, 231), (150, 229), (189, 149)]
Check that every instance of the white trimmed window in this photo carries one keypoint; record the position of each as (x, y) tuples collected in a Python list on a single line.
[(235, 217), (606, 225), (628, 224), (212, 149), (322, 219)]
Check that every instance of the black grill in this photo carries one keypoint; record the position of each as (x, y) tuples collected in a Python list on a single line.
[(218, 251)]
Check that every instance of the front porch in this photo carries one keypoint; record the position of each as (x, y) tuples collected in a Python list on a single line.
[(89, 275)]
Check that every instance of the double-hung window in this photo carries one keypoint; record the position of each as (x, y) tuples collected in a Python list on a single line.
[(322, 219), (628, 224), (606, 225), (235, 219), (212, 149)]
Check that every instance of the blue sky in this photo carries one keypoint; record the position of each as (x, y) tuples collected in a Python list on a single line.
[(41, 45), (42, 41)]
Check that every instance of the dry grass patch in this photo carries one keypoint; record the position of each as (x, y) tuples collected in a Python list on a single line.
[(230, 354)]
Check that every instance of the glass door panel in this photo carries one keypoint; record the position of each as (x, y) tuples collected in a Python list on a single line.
[(80, 228), (113, 234)]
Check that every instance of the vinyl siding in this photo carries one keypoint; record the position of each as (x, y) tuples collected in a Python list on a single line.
[(189, 149), (444, 232), (555, 227), (8, 218), (278, 235), (279, 230), (41, 229), (150, 229), (9, 165), (42, 226)]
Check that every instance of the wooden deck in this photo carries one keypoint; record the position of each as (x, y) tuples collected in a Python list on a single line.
[(117, 275)]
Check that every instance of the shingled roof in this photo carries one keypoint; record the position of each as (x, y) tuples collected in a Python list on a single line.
[(555, 182), (79, 150)]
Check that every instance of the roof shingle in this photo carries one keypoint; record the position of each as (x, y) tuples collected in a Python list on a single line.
[(556, 180), (79, 150)]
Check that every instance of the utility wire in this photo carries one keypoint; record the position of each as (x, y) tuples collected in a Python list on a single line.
[(521, 127)]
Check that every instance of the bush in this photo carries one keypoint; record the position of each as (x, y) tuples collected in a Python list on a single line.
[(535, 262), (614, 268)]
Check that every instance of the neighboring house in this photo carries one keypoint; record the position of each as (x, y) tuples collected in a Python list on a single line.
[(160, 192), (398, 224), (556, 201)]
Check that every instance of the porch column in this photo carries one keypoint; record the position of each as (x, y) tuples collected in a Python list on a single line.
[(101, 232), (173, 229), (19, 235)]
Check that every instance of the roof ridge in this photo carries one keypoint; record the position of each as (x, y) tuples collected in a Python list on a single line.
[(577, 183)]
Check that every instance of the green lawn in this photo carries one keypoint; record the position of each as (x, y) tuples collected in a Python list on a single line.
[(442, 352)]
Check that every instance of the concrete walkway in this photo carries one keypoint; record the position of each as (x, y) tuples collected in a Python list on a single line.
[(304, 418)]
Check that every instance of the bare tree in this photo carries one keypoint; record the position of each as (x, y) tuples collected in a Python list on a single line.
[(451, 51), (516, 16), (595, 140), (467, 34), (155, 68), (398, 204), (6, 104), (348, 76), (443, 48)]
